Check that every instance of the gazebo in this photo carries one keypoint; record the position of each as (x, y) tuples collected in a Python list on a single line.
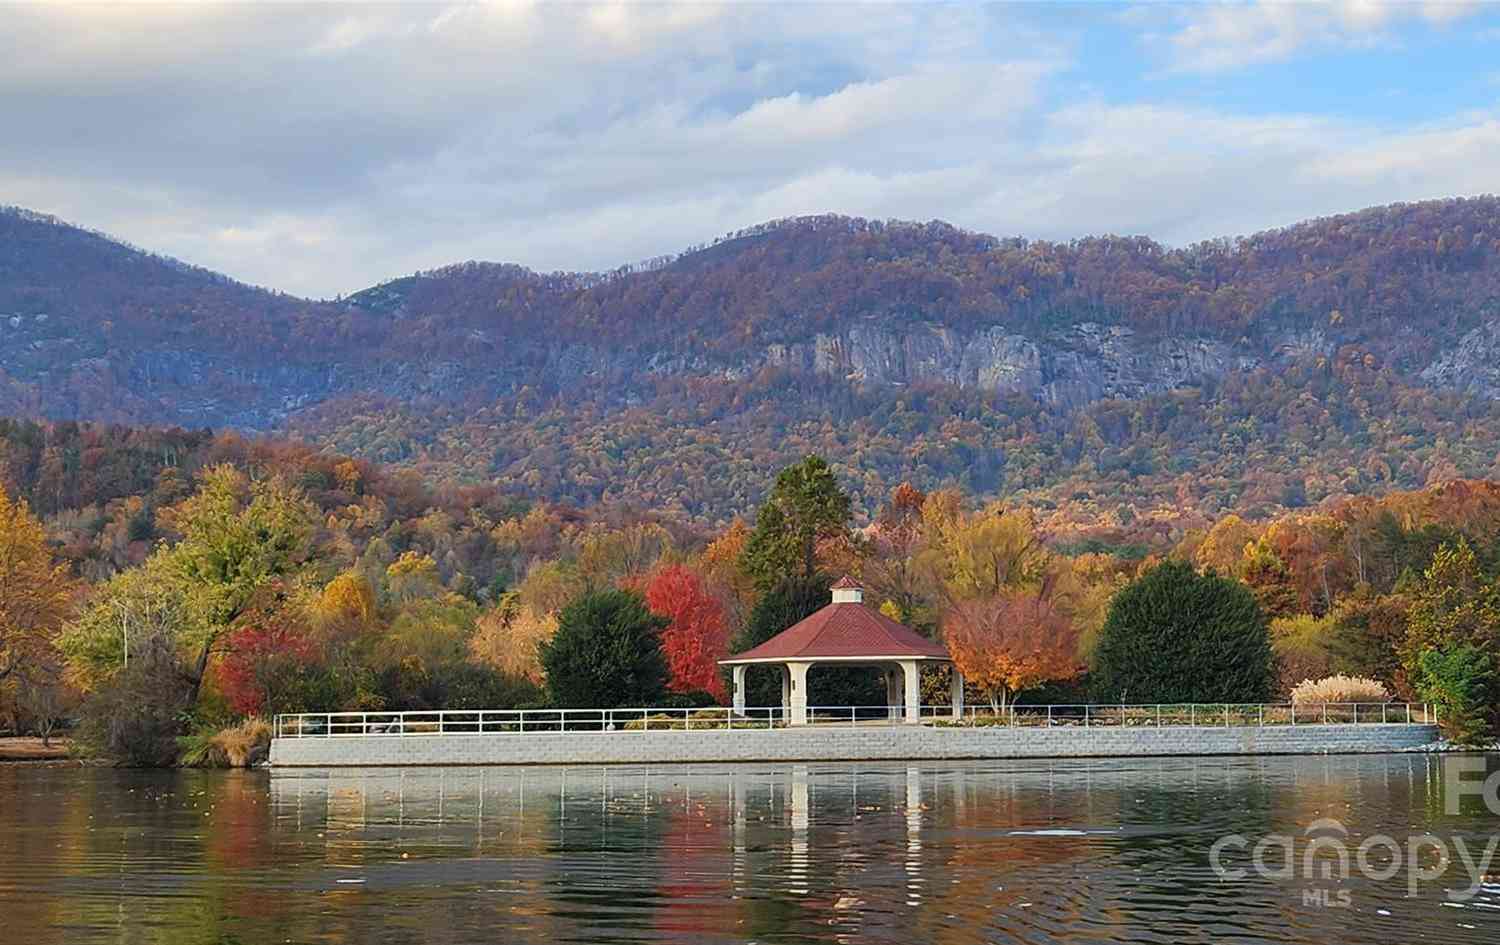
[(848, 633)]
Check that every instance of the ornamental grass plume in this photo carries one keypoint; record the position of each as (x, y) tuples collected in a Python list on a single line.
[(237, 746), (1334, 690)]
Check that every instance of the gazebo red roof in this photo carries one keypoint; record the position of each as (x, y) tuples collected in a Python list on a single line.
[(844, 631)]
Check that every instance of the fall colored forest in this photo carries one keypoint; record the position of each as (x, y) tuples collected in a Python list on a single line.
[(201, 579)]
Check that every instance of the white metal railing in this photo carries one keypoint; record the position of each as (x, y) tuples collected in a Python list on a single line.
[(1205, 715), (523, 721), (627, 720)]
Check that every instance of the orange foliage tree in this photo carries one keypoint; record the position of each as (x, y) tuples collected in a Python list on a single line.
[(698, 636), (1010, 642), (35, 593)]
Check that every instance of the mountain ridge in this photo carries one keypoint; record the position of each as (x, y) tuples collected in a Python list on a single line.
[(789, 336)]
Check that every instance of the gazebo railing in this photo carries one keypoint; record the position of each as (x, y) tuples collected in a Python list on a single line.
[(459, 722)]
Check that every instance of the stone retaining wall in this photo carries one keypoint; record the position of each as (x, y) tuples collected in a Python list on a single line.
[(830, 743)]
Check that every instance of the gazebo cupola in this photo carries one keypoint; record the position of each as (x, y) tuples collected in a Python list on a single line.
[(847, 632), (846, 590)]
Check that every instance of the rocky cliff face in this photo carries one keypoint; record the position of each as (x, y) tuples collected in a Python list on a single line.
[(1068, 369), (1471, 366)]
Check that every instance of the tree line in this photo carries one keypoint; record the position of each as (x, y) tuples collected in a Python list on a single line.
[(296, 581)]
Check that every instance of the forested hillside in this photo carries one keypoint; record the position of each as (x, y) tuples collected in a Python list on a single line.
[(1346, 355), (244, 577)]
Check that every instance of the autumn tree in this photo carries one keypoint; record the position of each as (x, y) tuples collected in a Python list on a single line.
[(266, 655), (1010, 642), (1269, 580), (806, 506), (143, 608), (236, 537), (35, 592), (413, 576), (346, 607), (891, 570), (1454, 602), (509, 636), (720, 566), (549, 586), (1369, 633), (984, 555), (1305, 648), (1223, 548), (696, 637), (607, 556)]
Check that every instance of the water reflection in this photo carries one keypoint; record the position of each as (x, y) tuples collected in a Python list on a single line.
[(1034, 852)]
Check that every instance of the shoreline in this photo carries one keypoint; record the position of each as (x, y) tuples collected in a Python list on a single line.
[(30, 750)]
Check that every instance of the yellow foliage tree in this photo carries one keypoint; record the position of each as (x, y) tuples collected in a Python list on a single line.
[(507, 637), (548, 587), (413, 576), (35, 592), (720, 566), (347, 601), (975, 557), (1223, 549)]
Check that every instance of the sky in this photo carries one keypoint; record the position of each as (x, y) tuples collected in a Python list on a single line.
[(319, 149)]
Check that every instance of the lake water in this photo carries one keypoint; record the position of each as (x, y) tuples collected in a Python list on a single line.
[(1075, 851)]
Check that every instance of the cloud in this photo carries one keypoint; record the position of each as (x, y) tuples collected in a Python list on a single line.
[(1198, 174), (1222, 36), (324, 151)]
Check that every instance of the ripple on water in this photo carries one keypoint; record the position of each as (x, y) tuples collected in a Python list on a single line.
[(1065, 852)]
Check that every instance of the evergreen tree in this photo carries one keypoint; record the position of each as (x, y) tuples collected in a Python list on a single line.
[(805, 506), (606, 653), (1174, 635)]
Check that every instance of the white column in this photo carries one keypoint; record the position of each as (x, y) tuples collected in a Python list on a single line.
[(799, 692), (893, 688), (786, 693), (957, 682), (913, 701), (739, 689)]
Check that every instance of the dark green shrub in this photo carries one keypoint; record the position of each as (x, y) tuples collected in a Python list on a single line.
[(471, 686), (1174, 635), (606, 653), (697, 699)]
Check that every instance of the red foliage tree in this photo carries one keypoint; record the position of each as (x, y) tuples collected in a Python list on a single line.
[(262, 659), (698, 636)]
